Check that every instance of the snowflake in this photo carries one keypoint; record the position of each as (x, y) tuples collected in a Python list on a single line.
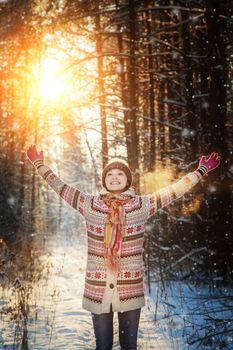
[(11, 200), (175, 12), (205, 105), (192, 133), (188, 132), (211, 188), (175, 55), (231, 169), (148, 227), (185, 132)]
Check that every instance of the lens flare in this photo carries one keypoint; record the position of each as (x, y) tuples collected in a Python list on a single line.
[(53, 84)]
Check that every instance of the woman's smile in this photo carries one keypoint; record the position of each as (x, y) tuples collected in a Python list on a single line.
[(116, 180)]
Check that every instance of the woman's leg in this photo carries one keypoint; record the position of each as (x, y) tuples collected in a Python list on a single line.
[(103, 328), (128, 329)]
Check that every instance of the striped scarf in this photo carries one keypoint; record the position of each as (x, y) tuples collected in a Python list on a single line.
[(115, 228)]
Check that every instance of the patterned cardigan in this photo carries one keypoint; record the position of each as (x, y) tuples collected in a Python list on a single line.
[(125, 289)]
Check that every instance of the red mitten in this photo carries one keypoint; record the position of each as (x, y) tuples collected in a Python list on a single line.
[(208, 164), (34, 156)]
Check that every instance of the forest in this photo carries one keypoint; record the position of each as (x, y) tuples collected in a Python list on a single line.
[(149, 81)]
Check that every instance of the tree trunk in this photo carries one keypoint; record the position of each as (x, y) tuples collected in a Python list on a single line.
[(102, 100), (133, 155), (191, 123), (123, 81), (151, 94)]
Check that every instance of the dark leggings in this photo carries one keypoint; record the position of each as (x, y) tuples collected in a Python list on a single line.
[(128, 329)]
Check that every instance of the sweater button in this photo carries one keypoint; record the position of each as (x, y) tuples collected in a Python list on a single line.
[(111, 285)]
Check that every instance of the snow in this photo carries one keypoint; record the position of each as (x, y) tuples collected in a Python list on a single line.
[(188, 314), (172, 315), (11, 200), (188, 132), (56, 318), (205, 105), (211, 188), (231, 169)]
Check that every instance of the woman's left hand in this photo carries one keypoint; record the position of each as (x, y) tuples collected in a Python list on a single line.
[(210, 163), (34, 155)]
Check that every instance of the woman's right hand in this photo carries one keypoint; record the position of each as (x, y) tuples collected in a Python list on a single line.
[(33, 155)]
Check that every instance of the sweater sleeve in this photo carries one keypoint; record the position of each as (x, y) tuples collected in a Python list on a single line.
[(168, 194), (73, 196)]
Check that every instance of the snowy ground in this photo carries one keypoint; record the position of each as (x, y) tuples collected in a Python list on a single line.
[(57, 320)]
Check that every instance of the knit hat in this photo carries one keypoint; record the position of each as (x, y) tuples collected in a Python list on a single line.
[(117, 163)]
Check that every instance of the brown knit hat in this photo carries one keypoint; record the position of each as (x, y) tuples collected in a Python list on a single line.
[(117, 163)]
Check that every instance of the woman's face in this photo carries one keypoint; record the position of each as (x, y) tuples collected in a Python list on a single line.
[(115, 180)]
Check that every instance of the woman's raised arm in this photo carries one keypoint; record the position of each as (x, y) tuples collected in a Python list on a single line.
[(73, 196), (168, 194)]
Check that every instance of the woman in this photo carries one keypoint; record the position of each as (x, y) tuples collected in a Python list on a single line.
[(115, 220)]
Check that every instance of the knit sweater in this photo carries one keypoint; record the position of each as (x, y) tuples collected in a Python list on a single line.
[(123, 289)]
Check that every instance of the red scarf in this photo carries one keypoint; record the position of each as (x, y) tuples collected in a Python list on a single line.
[(115, 228)]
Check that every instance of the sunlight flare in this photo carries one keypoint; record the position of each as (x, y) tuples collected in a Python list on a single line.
[(53, 84)]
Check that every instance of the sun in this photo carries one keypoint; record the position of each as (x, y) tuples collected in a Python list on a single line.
[(64, 75), (53, 84)]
